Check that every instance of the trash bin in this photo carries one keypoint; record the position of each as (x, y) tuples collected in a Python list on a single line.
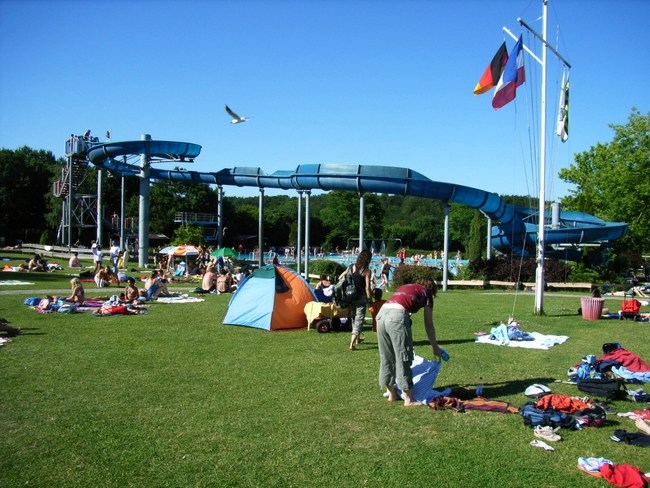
[(592, 308)]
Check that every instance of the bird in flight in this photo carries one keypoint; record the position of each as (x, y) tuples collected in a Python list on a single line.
[(236, 119)]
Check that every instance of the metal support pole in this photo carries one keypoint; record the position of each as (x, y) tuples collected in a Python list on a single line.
[(488, 253), (100, 212), (307, 198), (260, 229), (70, 198), (65, 234), (445, 247), (122, 212), (299, 236), (219, 216), (362, 219), (143, 208)]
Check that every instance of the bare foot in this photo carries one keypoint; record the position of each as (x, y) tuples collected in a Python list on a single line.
[(412, 403), (392, 395)]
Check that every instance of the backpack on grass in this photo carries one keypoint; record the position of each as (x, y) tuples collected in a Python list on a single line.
[(594, 416), (553, 418), (606, 388)]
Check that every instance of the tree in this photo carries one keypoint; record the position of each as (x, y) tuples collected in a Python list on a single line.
[(27, 176), (169, 197), (612, 180), (188, 234), (475, 241), (341, 216)]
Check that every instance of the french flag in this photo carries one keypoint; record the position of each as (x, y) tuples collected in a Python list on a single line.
[(513, 75)]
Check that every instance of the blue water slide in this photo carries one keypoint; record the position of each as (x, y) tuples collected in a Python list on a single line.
[(516, 232)]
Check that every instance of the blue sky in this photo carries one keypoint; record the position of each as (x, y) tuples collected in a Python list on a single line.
[(359, 82)]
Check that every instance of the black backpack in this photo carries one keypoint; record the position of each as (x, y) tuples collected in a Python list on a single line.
[(350, 289), (606, 388), (345, 290)]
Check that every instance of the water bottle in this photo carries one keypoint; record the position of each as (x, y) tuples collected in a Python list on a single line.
[(444, 354), (479, 387)]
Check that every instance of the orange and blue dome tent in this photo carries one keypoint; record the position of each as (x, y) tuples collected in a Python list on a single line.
[(271, 298)]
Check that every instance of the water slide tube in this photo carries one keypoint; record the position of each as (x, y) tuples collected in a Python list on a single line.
[(516, 232)]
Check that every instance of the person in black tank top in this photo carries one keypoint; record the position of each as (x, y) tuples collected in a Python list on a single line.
[(361, 276)]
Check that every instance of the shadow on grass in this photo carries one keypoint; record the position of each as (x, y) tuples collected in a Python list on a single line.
[(505, 388), (444, 342), (29, 331)]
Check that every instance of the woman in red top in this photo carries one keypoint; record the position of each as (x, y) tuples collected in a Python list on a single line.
[(395, 339)]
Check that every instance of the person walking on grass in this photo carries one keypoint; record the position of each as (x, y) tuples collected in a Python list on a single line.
[(361, 276), (395, 338)]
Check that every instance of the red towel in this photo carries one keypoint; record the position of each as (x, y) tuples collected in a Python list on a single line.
[(628, 359), (624, 475)]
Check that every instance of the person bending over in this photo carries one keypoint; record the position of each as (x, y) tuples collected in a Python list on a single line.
[(395, 338)]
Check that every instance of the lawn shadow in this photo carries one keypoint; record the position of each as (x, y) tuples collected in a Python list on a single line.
[(27, 331), (503, 388)]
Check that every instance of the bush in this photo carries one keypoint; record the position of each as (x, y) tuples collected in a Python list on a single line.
[(525, 270), (578, 272), (326, 267), (410, 274)]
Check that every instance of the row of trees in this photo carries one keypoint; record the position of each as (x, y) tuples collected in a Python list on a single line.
[(610, 182)]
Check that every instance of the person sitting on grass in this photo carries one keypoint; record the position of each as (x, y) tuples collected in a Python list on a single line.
[(36, 263), (78, 293), (208, 281), (225, 282), (131, 292), (74, 261), (324, 289), (155, 287), (103, 277)]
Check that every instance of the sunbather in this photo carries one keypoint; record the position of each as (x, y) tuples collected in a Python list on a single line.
[(155, 286), (74, 261), (103, 277), (131, 293), (78, 293)]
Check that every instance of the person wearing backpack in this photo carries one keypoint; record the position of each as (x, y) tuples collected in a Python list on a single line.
[(358, 300), (395, 339)]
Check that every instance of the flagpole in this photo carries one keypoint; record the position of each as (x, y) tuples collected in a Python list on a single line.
[(541, 233), (541, 241)]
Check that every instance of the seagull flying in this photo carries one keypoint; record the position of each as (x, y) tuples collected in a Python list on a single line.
[(236, 119)]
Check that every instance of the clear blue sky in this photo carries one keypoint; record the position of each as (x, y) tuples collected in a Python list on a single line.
[(360, 82)]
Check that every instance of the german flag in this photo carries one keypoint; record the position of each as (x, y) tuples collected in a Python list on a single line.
[(493, 72)]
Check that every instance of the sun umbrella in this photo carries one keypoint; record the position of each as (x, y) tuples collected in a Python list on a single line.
[(224, 252), (184, 250), (166, 250)]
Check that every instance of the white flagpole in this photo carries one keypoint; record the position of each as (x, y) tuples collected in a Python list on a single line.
[(541, 241)]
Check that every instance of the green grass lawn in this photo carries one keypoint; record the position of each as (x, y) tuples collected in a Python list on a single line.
[(176, 399)]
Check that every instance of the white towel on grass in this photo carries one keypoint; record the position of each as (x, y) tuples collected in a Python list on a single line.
[(425, 373), (541, 341)]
